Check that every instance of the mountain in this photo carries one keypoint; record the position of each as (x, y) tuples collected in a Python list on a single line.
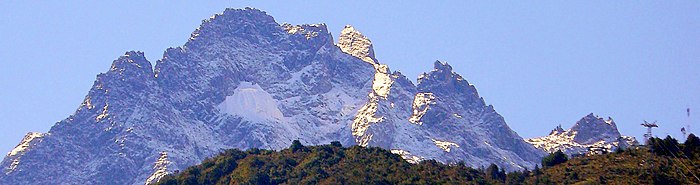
[(589, 132), (244, 81)]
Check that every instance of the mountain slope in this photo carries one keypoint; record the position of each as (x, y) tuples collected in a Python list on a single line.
[(589, 132), (669, 163), (631, 166), (244, 81), (324, 164)]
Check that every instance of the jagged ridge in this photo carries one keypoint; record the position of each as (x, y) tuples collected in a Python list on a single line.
[(590, 131), (137, 124)]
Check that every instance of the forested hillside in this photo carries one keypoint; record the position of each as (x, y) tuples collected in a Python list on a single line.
[(664, 161)]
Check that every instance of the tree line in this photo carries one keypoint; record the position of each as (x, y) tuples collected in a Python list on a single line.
[(335, 164)]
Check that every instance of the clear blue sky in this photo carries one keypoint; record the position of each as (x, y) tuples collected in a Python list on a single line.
[(539, 63)]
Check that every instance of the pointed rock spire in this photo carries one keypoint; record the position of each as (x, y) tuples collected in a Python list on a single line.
[(592, 128), (132, 63), (557, 130), (442, 67), (354, 43)]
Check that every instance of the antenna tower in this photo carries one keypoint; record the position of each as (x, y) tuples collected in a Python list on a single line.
[(687, 128), (648, 135)]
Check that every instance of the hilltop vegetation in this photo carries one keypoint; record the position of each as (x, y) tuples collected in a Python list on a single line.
[(664, 162), (325, 164)]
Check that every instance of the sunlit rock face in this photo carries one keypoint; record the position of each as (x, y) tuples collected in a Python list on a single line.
[(244, 81), (590, 131)]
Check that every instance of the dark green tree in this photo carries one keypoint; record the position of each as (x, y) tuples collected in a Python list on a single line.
[(691, 147), (515, 177), (672, 145), (493, 173), (336, 144), (555, 158), (537, 170), (664, 147), (296, 146), (619, 150)]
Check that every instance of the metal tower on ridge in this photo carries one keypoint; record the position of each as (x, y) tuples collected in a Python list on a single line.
[(648, 135), (685, 130), (687, 127)]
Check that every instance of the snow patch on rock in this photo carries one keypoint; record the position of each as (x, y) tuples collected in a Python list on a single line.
[(444, 145), (12, 166), (19, 150), (251, 102), (364, 117), (160, 168), (299, 29), (381, 86), (410, 158), (382, 81), (24, 144), (104, 113), (421, 104)]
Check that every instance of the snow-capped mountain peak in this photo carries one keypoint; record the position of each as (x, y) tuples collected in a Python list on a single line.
[(592, 128), (244, 81), (589, 131)]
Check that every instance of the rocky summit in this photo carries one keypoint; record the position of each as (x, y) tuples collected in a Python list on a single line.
[(589, 133), (244, 81)]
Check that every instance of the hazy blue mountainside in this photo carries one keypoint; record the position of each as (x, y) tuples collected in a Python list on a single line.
[(244, 81)]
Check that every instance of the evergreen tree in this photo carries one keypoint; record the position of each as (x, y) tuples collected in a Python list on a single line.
[(691, 147), (555, 158), (336, 144), (537, 170), (493, 173), (296, 146)]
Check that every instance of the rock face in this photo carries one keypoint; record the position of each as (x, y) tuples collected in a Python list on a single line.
[(589, 132), (244, 81)]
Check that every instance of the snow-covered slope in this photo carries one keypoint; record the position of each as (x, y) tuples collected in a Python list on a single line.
[(590, 131), (244, 81)]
